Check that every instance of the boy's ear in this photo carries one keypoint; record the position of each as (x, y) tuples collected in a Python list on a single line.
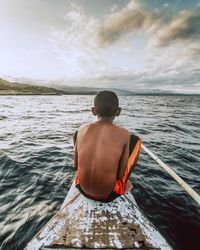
[(94, 112), (118, 111)]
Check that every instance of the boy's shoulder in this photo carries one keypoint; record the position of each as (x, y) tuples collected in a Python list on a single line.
[(84, 127), (123, 131)]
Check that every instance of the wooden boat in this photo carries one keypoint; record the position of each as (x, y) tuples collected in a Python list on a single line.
[(84, 223)]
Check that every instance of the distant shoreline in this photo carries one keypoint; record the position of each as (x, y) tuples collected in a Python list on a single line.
[(134, 94), (20, 89)]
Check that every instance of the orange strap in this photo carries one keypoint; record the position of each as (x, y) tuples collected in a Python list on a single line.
[(132, 159), (119, 187), (76, 179)]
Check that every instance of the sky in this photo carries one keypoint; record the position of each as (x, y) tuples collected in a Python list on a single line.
[(146, 45)]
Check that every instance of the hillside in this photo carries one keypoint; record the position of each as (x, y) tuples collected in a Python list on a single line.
[(14, 88), (89, 90)]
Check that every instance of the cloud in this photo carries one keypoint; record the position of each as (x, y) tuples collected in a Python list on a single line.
[(196, 69), (145, 81), (120, 23), (195, 50), (185, 26), (166, 5), (91, 55), (74, 43), (159, 30)]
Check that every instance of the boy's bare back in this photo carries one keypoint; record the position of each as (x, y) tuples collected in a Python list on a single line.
[(101, 155)]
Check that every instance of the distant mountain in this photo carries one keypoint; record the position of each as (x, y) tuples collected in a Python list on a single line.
[(37, 88), (14, 88), (90, 91)]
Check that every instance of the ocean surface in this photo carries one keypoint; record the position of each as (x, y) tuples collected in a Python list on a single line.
[(36, 162)]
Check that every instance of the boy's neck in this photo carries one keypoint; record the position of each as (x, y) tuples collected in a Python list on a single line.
[(105, 119)]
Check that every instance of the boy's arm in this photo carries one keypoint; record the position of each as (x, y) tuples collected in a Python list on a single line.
[(75, 139), (75, 158), (75, 150), (124, 157)]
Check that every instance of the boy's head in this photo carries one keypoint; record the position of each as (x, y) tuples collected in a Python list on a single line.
[(106, 104)]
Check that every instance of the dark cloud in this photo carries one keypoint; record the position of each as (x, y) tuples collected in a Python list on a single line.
[(184, 26), (123, 22)]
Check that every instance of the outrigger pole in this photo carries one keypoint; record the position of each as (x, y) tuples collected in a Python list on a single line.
[(180, 181)]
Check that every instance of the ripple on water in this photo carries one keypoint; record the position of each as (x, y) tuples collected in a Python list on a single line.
[(36, 162)]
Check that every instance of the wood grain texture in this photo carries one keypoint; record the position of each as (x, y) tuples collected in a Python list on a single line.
[(84, 223)]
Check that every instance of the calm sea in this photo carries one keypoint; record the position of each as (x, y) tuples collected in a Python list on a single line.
[(36, 162)]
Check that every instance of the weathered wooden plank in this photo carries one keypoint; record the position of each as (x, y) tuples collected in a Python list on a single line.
[(84, 223)]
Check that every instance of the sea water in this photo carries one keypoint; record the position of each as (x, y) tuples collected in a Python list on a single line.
[(36, 161)]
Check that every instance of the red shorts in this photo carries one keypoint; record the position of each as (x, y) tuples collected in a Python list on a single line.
[(119, 187)]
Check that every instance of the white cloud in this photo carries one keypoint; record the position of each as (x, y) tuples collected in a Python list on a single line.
[(114, 8), (166, 5), (74, 44)]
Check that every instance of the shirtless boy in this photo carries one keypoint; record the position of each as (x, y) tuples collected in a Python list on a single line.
[(102, 152)]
